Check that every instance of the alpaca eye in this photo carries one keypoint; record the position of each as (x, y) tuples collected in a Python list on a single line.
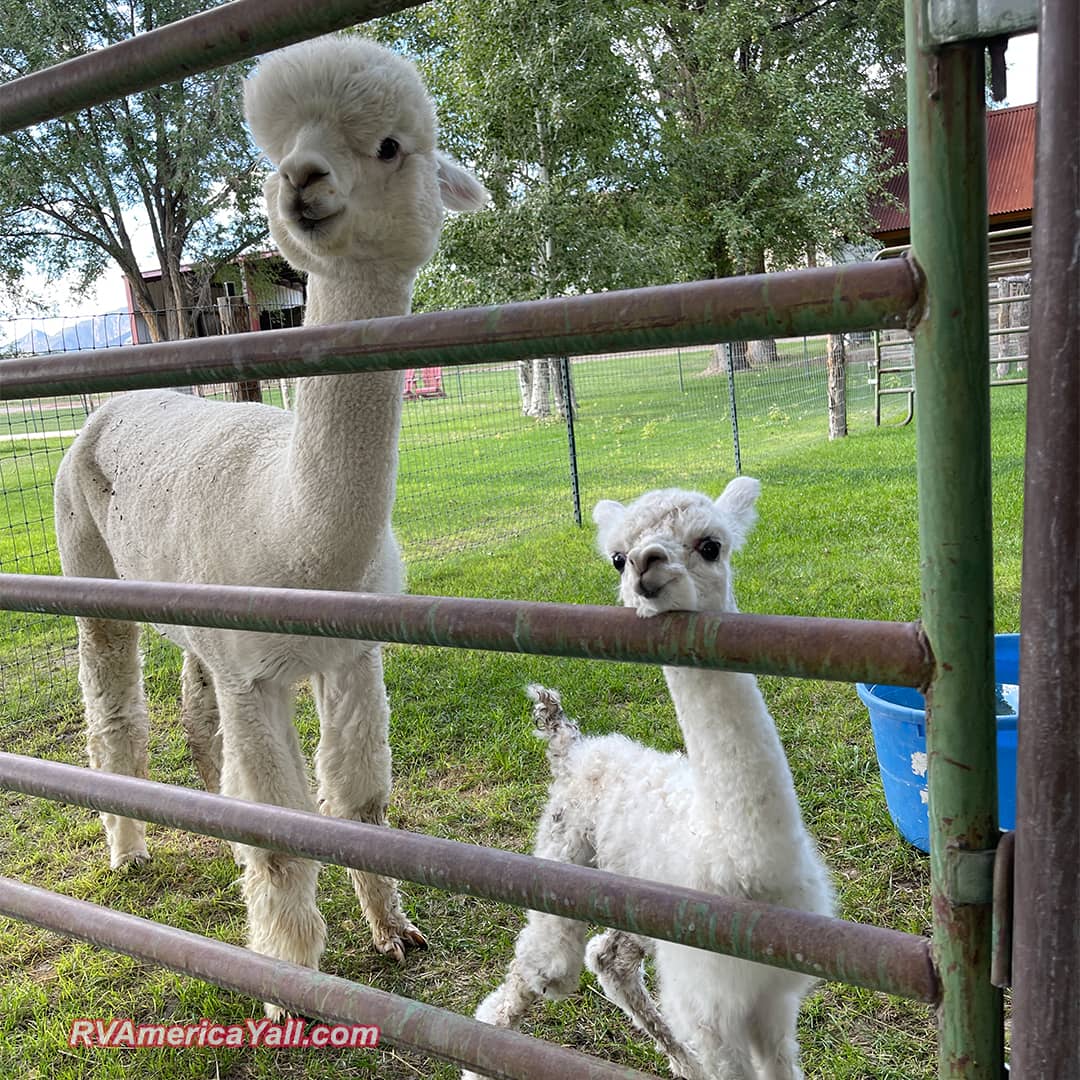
[(618, 560), (388, 149), (709, 549)]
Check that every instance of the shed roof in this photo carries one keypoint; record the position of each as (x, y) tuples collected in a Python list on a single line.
[(1010, 153)]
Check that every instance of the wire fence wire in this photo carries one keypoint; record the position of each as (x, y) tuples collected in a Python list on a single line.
[(486, 454)]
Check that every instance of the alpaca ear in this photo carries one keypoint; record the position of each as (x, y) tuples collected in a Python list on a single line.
[(606, 513), (460, 190), (738, 503)]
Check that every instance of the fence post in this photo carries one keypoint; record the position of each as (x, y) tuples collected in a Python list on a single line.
[(947, 170), (729, 363), (571, 441), (1046, 951)]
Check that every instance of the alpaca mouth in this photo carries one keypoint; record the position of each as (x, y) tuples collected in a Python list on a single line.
[(650, 591), (310, 222)]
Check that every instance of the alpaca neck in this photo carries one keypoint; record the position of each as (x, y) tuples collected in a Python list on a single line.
[(739, 769), (342, 460)]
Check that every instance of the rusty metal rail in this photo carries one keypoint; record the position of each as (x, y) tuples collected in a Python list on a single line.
[(877, 958), (1046, 942), (212, 39), (856, 296), (403, 1022), (845, 650)]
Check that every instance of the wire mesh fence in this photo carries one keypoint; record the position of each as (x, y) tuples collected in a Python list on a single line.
[(487, 452)]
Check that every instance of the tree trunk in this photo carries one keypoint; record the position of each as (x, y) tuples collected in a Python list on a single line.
[(540, 404), (761, 352), (560, 390), (525, 378), (248, 390), (144, 306), (545, 371), (740, 360), (836, 365), (232, 311)]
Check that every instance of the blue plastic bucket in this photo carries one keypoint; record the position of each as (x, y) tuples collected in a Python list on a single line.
[(898, 720)]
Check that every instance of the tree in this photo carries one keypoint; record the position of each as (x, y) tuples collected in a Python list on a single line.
[(538, 97), (658, 141), (181, 153), (766, 113)]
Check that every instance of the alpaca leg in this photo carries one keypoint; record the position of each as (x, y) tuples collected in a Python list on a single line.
[(353, 769), (726, 1049), (263, 763), (772, 1037), (548, 958), (117, 725), (199, 714), (615, 958), (550, 951)]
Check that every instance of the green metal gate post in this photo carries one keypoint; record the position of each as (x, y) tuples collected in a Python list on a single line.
[(947, 161)]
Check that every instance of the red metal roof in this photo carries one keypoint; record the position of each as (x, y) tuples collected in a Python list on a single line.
[(1010, 153)]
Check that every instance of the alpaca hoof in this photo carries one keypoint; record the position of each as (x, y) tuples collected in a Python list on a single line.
[(278, 1014), (134, 859), (684, 1066), (397, 940)]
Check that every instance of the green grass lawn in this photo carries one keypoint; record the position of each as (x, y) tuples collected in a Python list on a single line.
[(837, 536)]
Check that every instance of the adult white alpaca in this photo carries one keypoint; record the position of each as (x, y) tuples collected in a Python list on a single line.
[(164, 486), (723, 818)]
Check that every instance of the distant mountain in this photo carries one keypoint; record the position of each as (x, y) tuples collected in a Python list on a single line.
[(96, 332)]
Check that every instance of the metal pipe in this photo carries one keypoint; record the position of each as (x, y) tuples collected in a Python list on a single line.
[(947, 171), (856, 296), (1046, 941), (829, 948), (1004, 859), (228, 33), (846, 650), (565, 378), (402, 1022), (733, 406), (994, 234)]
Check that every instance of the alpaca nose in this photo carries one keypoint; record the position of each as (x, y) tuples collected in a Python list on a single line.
[(647, 557), (303, 169), (651, 563)]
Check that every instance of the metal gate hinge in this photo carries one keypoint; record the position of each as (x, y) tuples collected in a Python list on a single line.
[(986, 877), (969, 875)]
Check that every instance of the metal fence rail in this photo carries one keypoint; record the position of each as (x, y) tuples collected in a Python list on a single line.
[(402, 1022), (848, 650), (857, 296), (877, 958), (231, 32)]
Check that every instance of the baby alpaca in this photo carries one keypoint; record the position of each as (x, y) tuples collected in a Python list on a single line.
[(723, 818), (161, 486)]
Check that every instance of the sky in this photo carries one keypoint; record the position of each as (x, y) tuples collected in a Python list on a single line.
[(109, 295)]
